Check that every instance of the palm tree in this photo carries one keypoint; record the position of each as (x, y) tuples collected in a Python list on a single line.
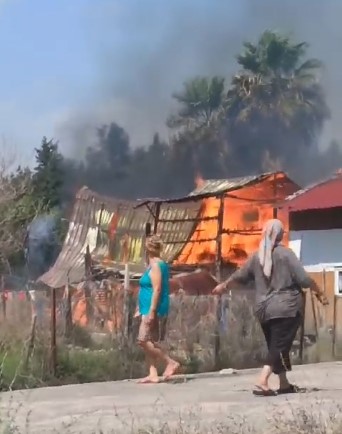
[(196, 124), (199, 102), (275, 107), (277, 83)]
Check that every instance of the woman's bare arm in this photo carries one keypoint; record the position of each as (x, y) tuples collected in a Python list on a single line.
[(156, 280), (242, 275)]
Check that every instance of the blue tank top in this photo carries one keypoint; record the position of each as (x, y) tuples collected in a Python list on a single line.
[(146, 291)]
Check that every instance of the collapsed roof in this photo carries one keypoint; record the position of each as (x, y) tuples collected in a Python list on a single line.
[(114, 230)]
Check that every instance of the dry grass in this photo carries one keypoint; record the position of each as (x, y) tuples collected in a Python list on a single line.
[(291, 420), (312, 419), (192, 338), (308, 419)]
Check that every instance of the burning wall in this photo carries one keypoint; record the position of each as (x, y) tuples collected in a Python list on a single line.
[(245, 212)]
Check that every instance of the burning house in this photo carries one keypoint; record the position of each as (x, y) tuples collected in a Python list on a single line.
[(212, 230), (104, 237), (229, 219)]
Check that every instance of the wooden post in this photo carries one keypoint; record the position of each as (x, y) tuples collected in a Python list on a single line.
[(126, 302), (302, 331), (324, 287), (98, 237), (68, 310), (156, 217), (218, 266), (334, 327), (218, 259), (31, 341), (53, 359), (87, 292), (148, 230), (3, 297), (275, 209), (314, 313)]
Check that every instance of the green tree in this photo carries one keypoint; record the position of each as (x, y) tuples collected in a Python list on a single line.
[(108, 161), (150, 171), (199, 102), (196, 127), (17, 209), (48, 175), (276, 102)]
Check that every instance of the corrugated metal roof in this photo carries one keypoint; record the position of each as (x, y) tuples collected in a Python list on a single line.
[(321, 195), (214, 186), (114, 231)]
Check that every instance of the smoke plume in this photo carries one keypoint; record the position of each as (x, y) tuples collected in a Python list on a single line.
[(41, 244), (144, 51)]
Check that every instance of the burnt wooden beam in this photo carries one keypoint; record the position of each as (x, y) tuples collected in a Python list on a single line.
[(218, 260), (185, 220), (156, 217)]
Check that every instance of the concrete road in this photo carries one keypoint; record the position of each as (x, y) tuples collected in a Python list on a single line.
[(125, 406)]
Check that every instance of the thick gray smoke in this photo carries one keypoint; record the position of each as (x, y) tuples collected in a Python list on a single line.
[(41, 243), (144, 51)]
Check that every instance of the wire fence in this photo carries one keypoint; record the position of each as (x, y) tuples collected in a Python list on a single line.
[(48, 328)]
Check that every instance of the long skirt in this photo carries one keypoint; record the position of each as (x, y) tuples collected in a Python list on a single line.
[(280, 334)]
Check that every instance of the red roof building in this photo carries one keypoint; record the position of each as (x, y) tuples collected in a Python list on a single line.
[(316, 207), (322, 195)]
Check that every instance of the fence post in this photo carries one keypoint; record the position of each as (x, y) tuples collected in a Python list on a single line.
[(53, 356), (302, 331), (68, 311), (334, 327), (3, 297), (218, 266), (126, 302), (87, 289)]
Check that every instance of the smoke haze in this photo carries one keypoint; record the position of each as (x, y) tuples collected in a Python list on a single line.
[(144, 51)]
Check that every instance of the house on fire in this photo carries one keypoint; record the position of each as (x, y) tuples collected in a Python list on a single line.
[(315, 234), (214, 228), (219, 215), (229, 220)]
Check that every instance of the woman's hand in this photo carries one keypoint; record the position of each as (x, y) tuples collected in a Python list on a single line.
[(219, 289), (137, 312), (322, 298), (151, 317)]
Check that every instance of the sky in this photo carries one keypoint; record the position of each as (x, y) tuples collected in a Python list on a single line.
[(70, 65), (46, 67)]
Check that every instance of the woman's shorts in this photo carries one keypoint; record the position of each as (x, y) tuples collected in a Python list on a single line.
[(154, 331)]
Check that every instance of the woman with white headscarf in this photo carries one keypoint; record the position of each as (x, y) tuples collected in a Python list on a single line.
[(279, 278)]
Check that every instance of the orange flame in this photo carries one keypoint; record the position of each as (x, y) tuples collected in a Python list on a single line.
[(245, 212), (199, 180)]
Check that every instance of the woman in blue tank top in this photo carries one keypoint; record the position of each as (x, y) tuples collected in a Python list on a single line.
[(153, 309)]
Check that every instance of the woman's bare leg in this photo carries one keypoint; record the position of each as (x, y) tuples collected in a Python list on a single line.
[(155, 353), (264, 377), (171, 365), (151, 366)]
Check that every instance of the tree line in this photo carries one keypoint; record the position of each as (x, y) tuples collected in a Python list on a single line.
[(268, 116)]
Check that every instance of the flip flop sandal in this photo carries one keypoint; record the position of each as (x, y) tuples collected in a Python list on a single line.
[(262, 392), (291, 389)]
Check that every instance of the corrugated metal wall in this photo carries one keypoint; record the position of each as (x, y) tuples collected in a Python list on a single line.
[(114, 232)]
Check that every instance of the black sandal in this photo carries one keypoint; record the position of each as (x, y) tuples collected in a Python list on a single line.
[(261, 392), (291, 389)]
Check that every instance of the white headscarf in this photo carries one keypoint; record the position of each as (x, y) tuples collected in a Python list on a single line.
[(272, 235)]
